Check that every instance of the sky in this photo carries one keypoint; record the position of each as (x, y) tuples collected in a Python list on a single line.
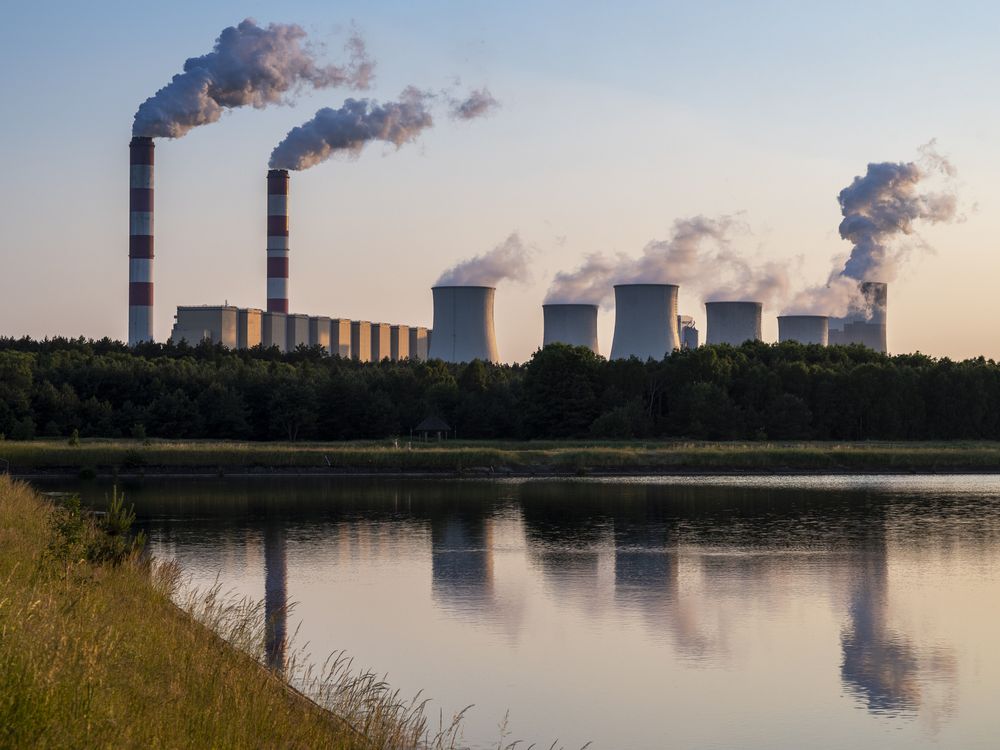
[(616, 119)]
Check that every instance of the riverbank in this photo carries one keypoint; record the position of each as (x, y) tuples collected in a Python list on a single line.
[(486, 458), (97, 655)]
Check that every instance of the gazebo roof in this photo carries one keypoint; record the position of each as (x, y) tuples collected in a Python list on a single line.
[(433, 424)]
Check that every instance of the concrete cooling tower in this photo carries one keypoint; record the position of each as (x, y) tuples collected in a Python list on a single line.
[(864, 323), (806, 329), (733, 322), (140, 241), (463, 324), (575, 325), (645, 321)]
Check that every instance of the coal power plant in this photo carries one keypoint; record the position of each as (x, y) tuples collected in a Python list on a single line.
[(571, 324), (645, 321), (805, 329), (463, 324), (733, 322), (140, 241), (865, 322)]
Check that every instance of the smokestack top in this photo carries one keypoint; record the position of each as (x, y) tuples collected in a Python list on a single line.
[(277, 174), (141, 150), (141, 140)]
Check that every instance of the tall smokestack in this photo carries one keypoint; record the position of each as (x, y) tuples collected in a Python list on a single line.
[(645, 321), (733, 322), (463, 324), (277, 240), (805, 329), (140, 241), (571, 324)]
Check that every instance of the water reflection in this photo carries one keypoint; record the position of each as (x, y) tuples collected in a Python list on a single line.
[(692, 575)]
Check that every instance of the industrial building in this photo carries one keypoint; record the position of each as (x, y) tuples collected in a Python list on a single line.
[(733, 322), (573, 324), (806, 329), (645, 321), (687, 332), (463, 324), (380, 346), (399, 342), (361, 340), (865, 322)]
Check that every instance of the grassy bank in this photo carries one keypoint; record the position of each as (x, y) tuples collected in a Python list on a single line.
[(109, 456), (97, 655)]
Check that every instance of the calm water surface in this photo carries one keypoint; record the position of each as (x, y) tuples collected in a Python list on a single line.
[(700, 613)]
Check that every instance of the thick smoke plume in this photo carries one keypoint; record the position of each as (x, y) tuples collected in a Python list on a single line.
[(346, 130), (478, 103), (590, 284), (249, 66), (880, 210), (881, 207), (508, 260)]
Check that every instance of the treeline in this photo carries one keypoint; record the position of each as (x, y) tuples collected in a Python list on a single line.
[(59, 387)]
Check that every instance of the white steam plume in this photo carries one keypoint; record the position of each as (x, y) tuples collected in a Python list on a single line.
[(590, 284), (249, 66), (346, 130), (508, 260)]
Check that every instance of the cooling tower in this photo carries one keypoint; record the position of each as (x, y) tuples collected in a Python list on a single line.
[(865, 323), (733, 322), (806, 329), (277, 240), (140, 241), (463, 324), (570, 324), (645, 321)]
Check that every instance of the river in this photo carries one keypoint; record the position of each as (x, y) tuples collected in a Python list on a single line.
[(752, 612)]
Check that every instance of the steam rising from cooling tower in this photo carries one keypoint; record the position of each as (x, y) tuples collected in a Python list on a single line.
[(508, 260), (249, 66)]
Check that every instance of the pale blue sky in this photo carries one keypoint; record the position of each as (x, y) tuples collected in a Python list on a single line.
[(616, 120)]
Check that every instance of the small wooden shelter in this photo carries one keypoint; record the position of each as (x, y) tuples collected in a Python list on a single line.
[(432, 426)]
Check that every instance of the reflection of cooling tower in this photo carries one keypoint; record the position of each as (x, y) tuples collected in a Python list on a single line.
[(463, 324), (865, 323), (575, 325), (645, 321), (733, 322), (806, 329), (140, 241)]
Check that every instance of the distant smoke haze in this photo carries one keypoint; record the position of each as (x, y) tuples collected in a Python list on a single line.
[(880, 210), (507, 261), (249, 66), (740, 281), (478, 103), (346, 130)]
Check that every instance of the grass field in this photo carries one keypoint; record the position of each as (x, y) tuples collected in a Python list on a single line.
[(127, 456), (97, 655)]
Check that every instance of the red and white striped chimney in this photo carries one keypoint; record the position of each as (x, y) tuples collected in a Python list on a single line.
[(140, 241), (277, 240)]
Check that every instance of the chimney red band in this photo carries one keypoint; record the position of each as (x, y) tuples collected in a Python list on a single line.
[(277, 182), (277, 305), (140, 199), (141, 150), (277, 268), (140, 293), (277, 226), (140, 246)]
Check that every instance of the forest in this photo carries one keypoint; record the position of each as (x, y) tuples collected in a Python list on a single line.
[(757, 391)]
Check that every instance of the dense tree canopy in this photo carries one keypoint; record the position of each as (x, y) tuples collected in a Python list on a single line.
[(756, 391)]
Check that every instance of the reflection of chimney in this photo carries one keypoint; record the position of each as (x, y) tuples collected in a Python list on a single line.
[(463, 324), (140, 241), (571, 324), (645, 321), (277, 240), (275, 595)]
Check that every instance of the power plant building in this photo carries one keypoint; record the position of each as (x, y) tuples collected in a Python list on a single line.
[(218, 324), (865, 322), (340, 337), (298, 332), (733, 322), (275, 331), (399, 343), (418, 346), (687, 332), (463, 324), (573, 324), (381, 342), (249, 328), (645, 321), (361, 340), (805, 329), (140, 241), (319, 331)]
